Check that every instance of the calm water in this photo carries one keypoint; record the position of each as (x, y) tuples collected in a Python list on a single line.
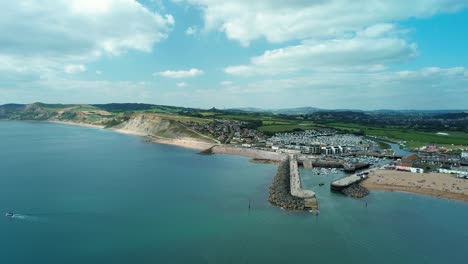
[(94, 196)]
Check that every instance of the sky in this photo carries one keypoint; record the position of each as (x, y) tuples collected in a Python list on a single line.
[(332, 54)]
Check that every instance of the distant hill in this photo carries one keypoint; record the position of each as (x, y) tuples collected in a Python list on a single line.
[(311, 110)]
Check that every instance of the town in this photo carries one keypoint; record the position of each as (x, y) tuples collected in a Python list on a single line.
[(334, 146)]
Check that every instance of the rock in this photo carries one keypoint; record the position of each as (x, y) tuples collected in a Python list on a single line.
[(356, 191), (280, 194)]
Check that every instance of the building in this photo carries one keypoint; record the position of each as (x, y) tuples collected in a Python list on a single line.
[(408, 161), (409, 169), (459, 170), (464, 155)]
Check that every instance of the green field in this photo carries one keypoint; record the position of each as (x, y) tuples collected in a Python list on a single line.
[(412, 137), (286, 128)]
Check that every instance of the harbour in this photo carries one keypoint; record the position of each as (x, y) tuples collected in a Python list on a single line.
[(79, 208)]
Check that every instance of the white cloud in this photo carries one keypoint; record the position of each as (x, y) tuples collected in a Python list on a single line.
[(225, 83), (279, 21), (179, 74), (427, 88), (42, 37), (191, 31), (74, 68), (182, 84), (370, 49)]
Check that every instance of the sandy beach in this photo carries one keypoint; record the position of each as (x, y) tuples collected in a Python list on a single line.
[(249, 152), (183, 142), (193, 144), (433, 184), (129, 132), (77, 124)]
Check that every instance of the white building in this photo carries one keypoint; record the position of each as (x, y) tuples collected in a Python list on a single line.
[(409, 169), (464, 155), (459, 171)]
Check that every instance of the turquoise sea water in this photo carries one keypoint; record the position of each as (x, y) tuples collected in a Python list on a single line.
[(93, 196)]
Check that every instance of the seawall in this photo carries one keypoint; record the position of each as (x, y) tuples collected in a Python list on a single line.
[(295, 180), (280, 194), (286, 190)]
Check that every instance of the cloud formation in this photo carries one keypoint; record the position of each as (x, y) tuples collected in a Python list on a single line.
[(370, 49), (43, 37), (426, 88), (75, 68), (179, 74), (280, 21)]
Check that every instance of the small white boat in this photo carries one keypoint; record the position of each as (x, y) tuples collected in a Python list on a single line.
[(9, 214)]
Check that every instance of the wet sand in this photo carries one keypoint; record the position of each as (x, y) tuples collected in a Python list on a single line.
[(434, 184)]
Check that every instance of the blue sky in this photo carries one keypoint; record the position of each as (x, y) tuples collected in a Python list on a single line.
[(237, 53)]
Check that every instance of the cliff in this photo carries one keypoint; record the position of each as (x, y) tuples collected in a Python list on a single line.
[(149, 124), (154, 125)]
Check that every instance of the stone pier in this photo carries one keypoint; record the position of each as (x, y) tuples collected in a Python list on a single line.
[(296, 185)]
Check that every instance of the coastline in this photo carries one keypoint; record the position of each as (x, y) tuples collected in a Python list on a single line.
[(75, 124), (185, 143), (433, 184)]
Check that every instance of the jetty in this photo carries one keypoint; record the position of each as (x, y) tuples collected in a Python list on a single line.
[(310, 200), (345, 182), (286, 190)]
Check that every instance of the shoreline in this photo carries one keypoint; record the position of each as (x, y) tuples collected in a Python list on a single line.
[(185, 143), (437, 185), (432, 184), (73, 124)]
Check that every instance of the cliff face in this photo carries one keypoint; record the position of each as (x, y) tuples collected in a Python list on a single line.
[(151, 124), (146, 124)]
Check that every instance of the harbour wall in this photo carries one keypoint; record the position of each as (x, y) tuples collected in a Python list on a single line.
[(286, 190), (295, 180), (280, 194)]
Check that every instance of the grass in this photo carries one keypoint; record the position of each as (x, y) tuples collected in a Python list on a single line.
[(183, 118), (271, 122), (413, 138), (286, 128)]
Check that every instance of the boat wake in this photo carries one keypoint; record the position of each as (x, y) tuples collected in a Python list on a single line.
[(22, 217)]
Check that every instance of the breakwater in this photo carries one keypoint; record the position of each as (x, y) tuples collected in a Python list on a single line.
[(350, 185), (295, 180), (355, 191), (345, 182), (280, 194), (286, 190)]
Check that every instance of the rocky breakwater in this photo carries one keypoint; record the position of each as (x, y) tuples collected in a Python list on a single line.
[(355, 191), (286, 190), (280, 194), (350, 185)]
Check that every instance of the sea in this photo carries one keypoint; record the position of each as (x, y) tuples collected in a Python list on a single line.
[(86, 195)]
